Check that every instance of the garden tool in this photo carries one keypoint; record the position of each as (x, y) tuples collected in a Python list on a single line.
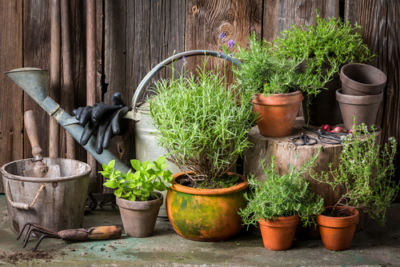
[(38, 168), (326, 137), (304, 140), (72, 235)]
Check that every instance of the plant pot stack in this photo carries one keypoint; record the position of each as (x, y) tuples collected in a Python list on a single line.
[(361, 93)]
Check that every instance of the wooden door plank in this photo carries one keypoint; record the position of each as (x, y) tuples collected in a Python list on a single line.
[(11, 102)]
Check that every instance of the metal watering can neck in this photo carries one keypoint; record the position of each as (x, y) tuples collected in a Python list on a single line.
[(34, 82)]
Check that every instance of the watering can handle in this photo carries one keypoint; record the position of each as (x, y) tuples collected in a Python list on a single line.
[(166, 62)]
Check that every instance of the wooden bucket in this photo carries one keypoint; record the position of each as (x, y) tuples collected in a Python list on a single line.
[(54, 203)]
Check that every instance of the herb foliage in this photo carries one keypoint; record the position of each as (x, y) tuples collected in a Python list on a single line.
[(202, 126), (138, 185), (365, 173), (282, 195)]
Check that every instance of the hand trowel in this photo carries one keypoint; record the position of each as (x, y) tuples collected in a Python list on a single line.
[(37, 168)]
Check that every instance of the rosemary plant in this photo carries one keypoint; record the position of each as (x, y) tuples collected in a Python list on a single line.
[(365, 173), (203, 125), (282, 195)]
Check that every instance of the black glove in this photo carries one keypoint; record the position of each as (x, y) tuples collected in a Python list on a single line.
[(104, 118)]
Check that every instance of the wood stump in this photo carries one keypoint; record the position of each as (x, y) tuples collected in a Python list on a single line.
[(287, 155)]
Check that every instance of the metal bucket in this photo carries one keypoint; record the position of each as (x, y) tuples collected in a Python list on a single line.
[(55, 203)]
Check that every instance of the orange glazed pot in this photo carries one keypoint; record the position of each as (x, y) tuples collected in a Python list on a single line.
[(337, 232), (205, 214), (278, 234), (277, 113)]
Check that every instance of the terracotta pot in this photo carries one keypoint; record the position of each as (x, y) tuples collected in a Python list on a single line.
[(278, 234), (205, 214), (363, 108), (277, 113), (139, 217), (323, 108), (337, 232), (362, 79)]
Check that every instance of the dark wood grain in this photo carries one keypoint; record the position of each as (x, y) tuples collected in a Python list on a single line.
[(11, 105), (381, 24), (36, 53), (281, 14)]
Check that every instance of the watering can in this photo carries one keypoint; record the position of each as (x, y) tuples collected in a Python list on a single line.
[(34, 82)]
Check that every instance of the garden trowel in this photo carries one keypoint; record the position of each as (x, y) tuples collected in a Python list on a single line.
[(37, 168)]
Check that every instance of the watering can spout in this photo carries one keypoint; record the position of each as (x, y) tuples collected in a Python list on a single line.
[(34, 82)]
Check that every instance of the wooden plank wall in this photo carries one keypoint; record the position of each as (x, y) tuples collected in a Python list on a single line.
[(133, 36)]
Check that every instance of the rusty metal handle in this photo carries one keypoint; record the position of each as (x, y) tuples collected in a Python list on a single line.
[(31, 131), (162, 64), (19, 205)]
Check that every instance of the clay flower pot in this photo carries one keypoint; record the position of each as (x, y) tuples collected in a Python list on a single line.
[(277, 113), (337, 232), (363, 108), (278, 234), (205, 214), (362, 79), (139, 217)]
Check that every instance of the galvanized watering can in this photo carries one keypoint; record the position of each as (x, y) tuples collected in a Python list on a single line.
[(34, 82)]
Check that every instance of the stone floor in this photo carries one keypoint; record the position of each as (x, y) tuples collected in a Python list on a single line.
[(375, 246)]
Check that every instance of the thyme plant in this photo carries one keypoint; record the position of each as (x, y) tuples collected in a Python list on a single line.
[(203, 125), (364, 174), (282, 195), (263, 72), (322, 49)]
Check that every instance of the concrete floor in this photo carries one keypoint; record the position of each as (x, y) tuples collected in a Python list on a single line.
[(374, 246)]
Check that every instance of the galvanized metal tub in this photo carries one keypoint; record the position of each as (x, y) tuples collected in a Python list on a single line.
[(55, 203)]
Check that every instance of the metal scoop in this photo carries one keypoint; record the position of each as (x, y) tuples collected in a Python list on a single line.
[(38, 168)]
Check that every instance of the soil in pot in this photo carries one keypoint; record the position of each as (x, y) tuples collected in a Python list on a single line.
[(323, 108), (362, 109), (139, 217), (362, 79), (206, 214), (278, 234), (337, 229), (277, 113)]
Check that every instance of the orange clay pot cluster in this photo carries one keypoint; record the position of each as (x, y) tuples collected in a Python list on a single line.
[(277, 113)]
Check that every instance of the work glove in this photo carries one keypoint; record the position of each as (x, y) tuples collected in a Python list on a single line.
[(103, 118)]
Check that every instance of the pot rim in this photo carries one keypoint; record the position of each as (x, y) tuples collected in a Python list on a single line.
[(278, 99), (368, 67), (362, 100), (203, 191), (28, 179), (339, 222), (140, 205), (280, 221)]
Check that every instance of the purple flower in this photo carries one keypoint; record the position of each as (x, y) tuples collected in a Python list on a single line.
[(231, 43), (222, 35), (184, 60)]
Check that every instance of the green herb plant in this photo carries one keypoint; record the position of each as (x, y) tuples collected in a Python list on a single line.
[(322, 50), (138, 185), (262, 71), (364, 174), (282, 195), (202, 123)]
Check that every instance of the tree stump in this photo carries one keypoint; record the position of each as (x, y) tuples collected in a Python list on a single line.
[(287, 155)]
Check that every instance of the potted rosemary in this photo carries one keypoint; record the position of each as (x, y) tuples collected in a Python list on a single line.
[(136, 194), (273, 81), (279, 202), (322, 49), (204, 130), (364, 176)]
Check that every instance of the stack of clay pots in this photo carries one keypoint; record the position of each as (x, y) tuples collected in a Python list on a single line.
[(361, 93)]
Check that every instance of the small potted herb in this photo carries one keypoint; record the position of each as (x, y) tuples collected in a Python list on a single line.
[(137, 198), (272, 80), (364, 176), (322, 49), (204, 130), (279, 202)]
